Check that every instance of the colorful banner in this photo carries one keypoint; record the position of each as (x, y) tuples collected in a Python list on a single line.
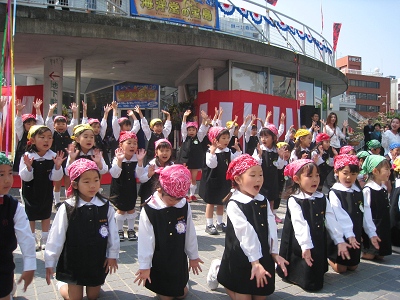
[(203, 13), (336, 31), (128, 95)]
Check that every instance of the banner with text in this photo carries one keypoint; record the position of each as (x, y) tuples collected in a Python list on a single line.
[(128, 95), (203, 13)]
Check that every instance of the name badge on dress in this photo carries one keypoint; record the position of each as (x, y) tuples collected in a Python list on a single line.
[(181, 227), (103, 231)]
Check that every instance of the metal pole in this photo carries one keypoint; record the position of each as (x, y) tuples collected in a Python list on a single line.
[(386, 102), (78, 85)]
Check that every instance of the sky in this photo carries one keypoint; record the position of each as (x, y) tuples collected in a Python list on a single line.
[(369, 27)]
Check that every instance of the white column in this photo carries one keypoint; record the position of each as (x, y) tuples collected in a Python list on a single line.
[(205, 79), (52, 83), (30, 80)]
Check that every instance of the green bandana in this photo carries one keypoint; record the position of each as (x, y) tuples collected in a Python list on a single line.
[(363, 154), (4, 160), (373, 144), (371, 162)]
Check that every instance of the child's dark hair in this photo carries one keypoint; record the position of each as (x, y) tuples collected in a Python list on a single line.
[(353, 168), (28, 120), (329, 151), (223, 132), (77, 145), (265, 131), (227, 197), (254, 127), (308, 169), (163, 145), (126, 122), (32, 147), (156, 186)]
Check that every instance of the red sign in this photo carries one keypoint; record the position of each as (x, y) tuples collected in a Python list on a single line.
[(302, 96)]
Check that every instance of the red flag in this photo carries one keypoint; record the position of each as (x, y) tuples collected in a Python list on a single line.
[(322, 20), (336, 31), (272, 2)]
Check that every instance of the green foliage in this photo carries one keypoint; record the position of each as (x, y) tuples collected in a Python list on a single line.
[(177, 110)]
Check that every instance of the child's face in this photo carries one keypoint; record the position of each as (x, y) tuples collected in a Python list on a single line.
[(361, 161), (382, 174), (254, 131), (395, 152), (130, 147), (236, 131), (28, 124), (308, 183), (96, 128), (191, 131), (42, 141), (60, 126), (223, 141), (86, 140), (267, 140), (6, 179), (157, 128), (126, 127), (326, 145), (376, 151), (250, 182), (352, 152), (163, 154), (305, 141), (88, 185), (346, 177)]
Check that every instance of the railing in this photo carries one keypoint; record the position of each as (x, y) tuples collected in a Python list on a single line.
[(360, 72), (275, 28), (355, 114), (350, 99)]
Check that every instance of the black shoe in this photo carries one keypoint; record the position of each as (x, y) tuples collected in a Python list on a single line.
[(57, 205), (121, 235), (132, 235), (211, 230), (221, 227)]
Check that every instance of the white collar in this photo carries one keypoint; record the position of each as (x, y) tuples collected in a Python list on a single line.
[(90, 152), (157, 203), (95, 201), (373, 185), (304, 149), (133, 159), (222, 150), (263, 147), (302, 195), (340, 187), (242, 198), (49, 155)]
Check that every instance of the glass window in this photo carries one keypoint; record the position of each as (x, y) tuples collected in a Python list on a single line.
[(248, 80), (318, 89), (283, 84)]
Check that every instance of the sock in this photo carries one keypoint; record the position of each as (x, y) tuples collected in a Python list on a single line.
[(219, 219), (34, 236), (131, 221), (56, 196), (274, 211), (192, 189), (120, 221), (209, 221), (44, 237), (20, 194)]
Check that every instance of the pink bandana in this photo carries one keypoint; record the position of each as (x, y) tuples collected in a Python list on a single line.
[(272, 128), (240, 165), (192, 124), (60, 118), (213, 132), (175, 180), (125, 135), (77, 168), (27, 117), (120, 120), (343, 160), (158, 142), (322, 137), (346, 149), (91, 121), (292, 168)]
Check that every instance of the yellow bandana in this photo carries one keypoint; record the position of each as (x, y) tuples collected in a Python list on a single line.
[(301, 132), (154, 121), (33, 130), (80, 128)]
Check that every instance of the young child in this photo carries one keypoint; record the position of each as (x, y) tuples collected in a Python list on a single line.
[(154, 132), (374, 147), (61, 140), (301, 147), (167, 236), (83, 237), (395, 206), (235, 133), (375, 195), (191, 153), (38, 169), (323, 154), (147, 175), (289, 137), (272, 160), (251, 136), (12, 213), (251, 245), (308, 218), (123, 191), (23, 123), (362, 178), (347, 150), (352, 213), (84, 147), (213, 185)]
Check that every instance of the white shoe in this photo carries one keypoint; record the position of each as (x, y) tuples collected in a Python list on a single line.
[(212, 281), (43, 243)]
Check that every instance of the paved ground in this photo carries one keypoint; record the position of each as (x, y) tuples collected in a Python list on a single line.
[(372, 280)]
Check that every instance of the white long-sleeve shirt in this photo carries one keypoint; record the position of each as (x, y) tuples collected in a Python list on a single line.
[(55, 175), (212, 161), (115, 170), (19, 125), (146, 234), (245, 232), (142, 172), (388, 138), (201, 133), (57, 235), (397, 184), (279, 164), (117, 129), (70, 127), (103, 126), (147, 131), (104, 168), (335, 135), (293, 156), (300, 225), (343, 217), (320, 160)]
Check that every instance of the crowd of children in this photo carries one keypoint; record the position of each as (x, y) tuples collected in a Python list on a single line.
[(342, 206)]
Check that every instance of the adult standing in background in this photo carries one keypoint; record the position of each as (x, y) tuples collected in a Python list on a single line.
[(368, 129), (391, 136), (330, 127)]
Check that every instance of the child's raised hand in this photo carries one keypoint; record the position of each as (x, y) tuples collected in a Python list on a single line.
[(38, 103), (343, 251), (305, 155), (107, 108), (140, 154), (119, 154), (84, 105), (258, 271), (151, 171), (96, 157), (375, 240), (236, 145), (136, 109), (28, 162), (58, 160), (321, 149), (165, 112), (73, 107), (49, 275), (194, 264), (269, 114), (322, 122), (259, 150), (142, 276), (203, 115), (27, 277), (187, 113), (353, 242), (52, 106), (111, 265), (345, 123), (129, 113), (72, 151), (18, 105), (306, 254), (281, 262), (283, 117), (114, 105)]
